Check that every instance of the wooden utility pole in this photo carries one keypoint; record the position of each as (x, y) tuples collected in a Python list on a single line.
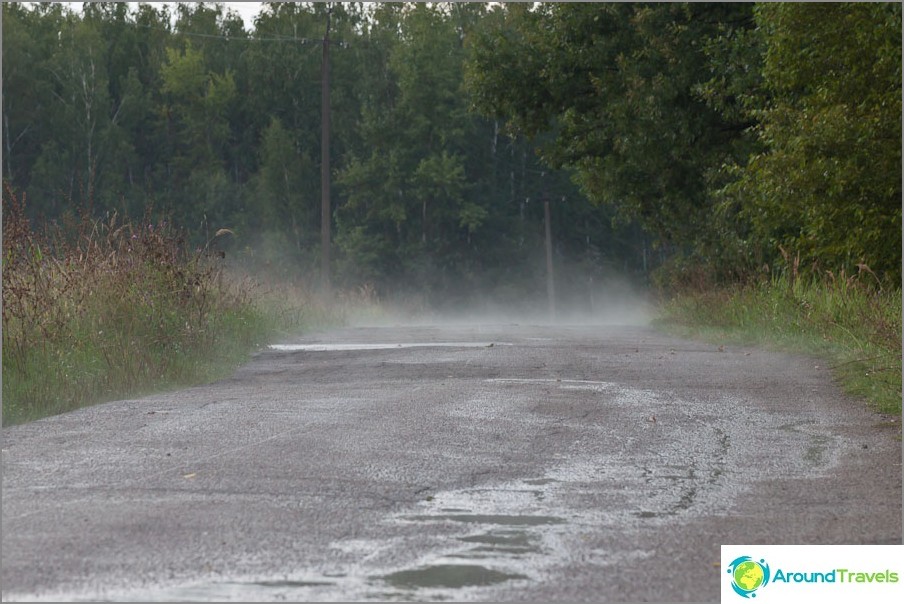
[(550, 280), (325, 213)]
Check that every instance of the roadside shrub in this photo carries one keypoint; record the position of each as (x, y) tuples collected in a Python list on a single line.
[(95, 309), (850, 320)]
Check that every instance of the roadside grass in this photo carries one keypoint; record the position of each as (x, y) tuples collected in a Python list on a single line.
[(848, 321), (100, 310)]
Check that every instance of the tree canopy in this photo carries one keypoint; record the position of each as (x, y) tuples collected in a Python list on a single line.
[(715, 135), (737, 132), (827, 181)]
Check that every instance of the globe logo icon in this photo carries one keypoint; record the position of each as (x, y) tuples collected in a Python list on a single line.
[(748, 575)]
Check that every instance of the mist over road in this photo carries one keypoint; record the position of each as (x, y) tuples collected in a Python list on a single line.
[(495, 462)]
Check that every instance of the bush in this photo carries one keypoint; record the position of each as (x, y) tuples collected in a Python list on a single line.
[(847, 319), (96, 309)]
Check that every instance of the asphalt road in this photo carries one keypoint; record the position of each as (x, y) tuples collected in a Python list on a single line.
[(502, 463)]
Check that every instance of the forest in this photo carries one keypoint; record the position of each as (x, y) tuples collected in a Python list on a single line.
[(677, 143)]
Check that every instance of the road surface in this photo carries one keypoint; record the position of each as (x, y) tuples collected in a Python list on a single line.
[(470, 462)]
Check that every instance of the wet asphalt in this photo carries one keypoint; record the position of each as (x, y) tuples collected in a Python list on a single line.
[(471, 463)]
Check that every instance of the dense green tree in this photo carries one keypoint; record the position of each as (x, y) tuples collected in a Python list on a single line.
[(280, 123), (287, 204), (406, 196), (736, 133), (827, 182), (716, 132), (196, 105), (86, 142), (616, 83), (29, 40)]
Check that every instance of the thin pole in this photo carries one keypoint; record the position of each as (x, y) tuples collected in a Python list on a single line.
[(325, 213), (550, 284)]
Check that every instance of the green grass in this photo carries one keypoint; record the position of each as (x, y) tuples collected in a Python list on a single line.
[(851, 324), (100, 310)]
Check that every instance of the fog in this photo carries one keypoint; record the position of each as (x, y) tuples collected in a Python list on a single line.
[(614, 300), (585, 293)]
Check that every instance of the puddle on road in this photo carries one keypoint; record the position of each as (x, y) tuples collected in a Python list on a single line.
[(518, 539), (540, 482), (286, 584), (474, 539), (500, 540), (506, 542), (478, 539), (448, 576), (380, 346), (518, 530)]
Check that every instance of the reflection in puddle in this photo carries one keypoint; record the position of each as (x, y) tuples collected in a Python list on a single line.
[(501, 539), (448, 576), (288, 584), (504, 538), (503, 542)]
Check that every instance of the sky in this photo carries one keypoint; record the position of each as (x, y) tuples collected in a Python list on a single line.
[(248, 10)]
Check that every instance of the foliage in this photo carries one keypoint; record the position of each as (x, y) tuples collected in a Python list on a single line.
[(616, 82), (827, 182), (731, 132), (407, 191), (687, 134), (215, 125), (715, 143), (96, 309)]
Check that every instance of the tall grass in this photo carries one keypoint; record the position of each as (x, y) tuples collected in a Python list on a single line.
[(100, 309), (850, 321)]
